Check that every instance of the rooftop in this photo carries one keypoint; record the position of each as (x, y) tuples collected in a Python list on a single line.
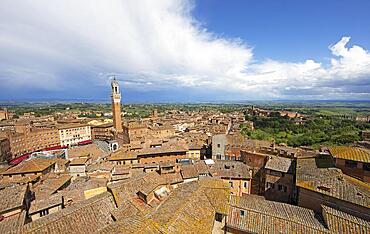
[(12, 197), (279, 164), (30, 166), (230, 169), (87, 216), (79, 161), (350, 153), (42, 204), (91, 150), (262, 216), (189, 171), (122, 155), (331, 182), (341, 222)]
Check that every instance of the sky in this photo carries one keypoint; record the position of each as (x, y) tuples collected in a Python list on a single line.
[(184, 50)]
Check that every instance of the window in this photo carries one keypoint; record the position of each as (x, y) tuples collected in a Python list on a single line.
[(44, 212), (218, 156), (269, 185), (366, 166), (218, 217), (242, 213), (218, 145), (245, 184), (280, 187), (231, 184), (350, 163)]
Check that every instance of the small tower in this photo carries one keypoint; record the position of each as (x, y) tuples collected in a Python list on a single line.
[(116, 105), (155, 113)]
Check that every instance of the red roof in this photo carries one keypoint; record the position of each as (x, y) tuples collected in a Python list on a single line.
[(19, 159), (85, 142), (56, 147), (16, 161)]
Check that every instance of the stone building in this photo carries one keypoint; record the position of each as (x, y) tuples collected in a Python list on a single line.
[(254, 214), (32, 168), (218, 146), (227, 146), (122, 157), (4, 114), (320, 185), (352, 161), (236, 174), (365, 135), (165, 153), (102, 132), (41, 208), (77, 166), (280, 179), (33, 139), (5, 153), (74, 134), (13, 208)]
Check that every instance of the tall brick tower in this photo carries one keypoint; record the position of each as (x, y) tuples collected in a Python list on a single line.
[(116, 105)]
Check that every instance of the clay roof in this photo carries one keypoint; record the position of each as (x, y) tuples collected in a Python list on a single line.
[(78, 161), (230, 169), (41, 204), (341, 222), (132, 224), (173, 178), (50, 184), (87, 216), (12, 197), (13, 224), (201, 167), (20, 180), (91, 150), (162, 150), (122, 155), (189, 171), (188, 209), (31, 166), (331, 182), (279, 164), (262, 216), (104, 125), (71, 125), (350, 153)]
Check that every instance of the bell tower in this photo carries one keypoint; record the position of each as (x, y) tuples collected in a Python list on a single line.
[(116, 105)]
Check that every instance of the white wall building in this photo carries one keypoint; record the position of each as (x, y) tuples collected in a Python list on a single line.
[(73, 134)]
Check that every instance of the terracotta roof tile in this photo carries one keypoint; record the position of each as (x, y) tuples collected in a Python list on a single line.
[(350, 153)]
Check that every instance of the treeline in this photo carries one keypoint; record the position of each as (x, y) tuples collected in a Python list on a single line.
[(316, 131)]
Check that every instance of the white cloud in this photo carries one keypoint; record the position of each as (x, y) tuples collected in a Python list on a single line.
[(153, 45)]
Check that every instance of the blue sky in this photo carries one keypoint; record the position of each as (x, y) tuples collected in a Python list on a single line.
[(179, 50), (288, 30)]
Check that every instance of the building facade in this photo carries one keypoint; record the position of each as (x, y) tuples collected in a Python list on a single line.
[(33, 139), (5, 154), (73, 134), (102, 132)]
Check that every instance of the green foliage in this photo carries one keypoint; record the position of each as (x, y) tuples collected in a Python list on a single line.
[(316, 131)]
